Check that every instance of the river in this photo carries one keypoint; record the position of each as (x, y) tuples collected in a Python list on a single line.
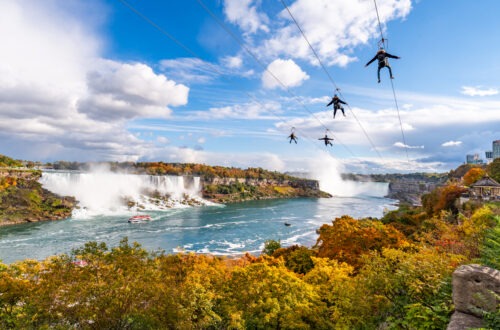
[(220, 230)]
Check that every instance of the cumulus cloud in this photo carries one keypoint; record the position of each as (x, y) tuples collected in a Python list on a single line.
[(452, 144), (126, 91), (59, 98), (286, 71), (478, 91), (332, 28), (245, 14)]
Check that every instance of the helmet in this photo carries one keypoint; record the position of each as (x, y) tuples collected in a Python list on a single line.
[(381, 50)]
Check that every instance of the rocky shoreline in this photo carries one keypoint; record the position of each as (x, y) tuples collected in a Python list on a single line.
[(23, 200)]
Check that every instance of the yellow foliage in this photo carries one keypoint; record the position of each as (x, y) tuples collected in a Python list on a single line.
[(284, 190)]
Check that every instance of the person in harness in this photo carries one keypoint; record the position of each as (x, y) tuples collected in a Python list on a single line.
[(293, 137), (382, 56), (327, 140), (336, 101)]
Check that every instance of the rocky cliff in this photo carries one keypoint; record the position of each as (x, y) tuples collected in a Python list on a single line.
[(227, 190), (410, 192), (22, 198)]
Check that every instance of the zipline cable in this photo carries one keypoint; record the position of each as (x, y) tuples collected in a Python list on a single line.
[(393, 89), (379, 24), (216, 70), (330, 77)]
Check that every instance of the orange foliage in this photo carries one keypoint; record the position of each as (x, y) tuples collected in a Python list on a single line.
[(473, 175), (7, 182), (442, 198), (348, 239)]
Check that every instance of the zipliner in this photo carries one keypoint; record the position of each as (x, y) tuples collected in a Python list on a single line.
[(382, 56)]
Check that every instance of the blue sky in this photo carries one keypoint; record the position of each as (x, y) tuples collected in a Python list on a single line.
[(94, 80)]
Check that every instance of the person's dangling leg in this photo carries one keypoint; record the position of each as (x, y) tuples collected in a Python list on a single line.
[(390, 71)]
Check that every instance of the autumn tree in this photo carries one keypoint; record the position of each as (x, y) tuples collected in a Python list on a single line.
[(348, 239), (473, 175), (442, 198), (267, 295)]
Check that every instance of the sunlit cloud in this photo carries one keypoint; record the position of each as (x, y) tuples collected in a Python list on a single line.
[(402, 145), (283, 72), (452, 144), (478, 91)]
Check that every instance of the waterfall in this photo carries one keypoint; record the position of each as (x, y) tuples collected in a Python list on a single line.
[(110, 193)]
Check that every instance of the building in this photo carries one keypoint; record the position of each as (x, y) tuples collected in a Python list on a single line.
[(496, 149), (474, 159), (486, 189), (489, 156)]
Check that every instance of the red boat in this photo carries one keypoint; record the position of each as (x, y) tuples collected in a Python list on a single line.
[(139, 218)]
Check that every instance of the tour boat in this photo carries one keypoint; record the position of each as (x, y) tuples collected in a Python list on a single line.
[(139, 218)]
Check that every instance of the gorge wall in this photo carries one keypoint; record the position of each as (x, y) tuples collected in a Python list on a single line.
[(410, 192)]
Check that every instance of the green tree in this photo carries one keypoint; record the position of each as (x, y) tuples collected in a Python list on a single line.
[(270, 246), (493, 169)]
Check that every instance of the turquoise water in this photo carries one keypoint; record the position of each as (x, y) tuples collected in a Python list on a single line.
[(221, 230)]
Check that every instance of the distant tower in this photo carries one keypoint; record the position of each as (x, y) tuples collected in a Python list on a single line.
[(496, 149), (489, 156), (474, 159)]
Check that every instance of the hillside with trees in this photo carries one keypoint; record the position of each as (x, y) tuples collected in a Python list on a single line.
[(22, 198)]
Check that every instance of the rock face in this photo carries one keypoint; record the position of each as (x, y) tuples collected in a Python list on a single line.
[(228, 190), (409, 191), (22, 199), (476, 289)]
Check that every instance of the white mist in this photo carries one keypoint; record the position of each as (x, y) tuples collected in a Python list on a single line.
[(102, 192), (327, 170)]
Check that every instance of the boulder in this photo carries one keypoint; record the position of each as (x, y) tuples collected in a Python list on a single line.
[(476, 289), (462, 321)]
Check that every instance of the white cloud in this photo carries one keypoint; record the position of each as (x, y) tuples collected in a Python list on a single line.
[(232, 62), (452, 144), (126, 91), (191, 69), (251, 110), (478, 91), (162, 140), (332, 28), (402, 145), (246, 15), (201, 140), (59, 98), (286, 71)]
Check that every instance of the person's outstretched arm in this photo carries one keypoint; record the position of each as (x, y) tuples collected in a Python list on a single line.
[(392, 56), (370, 61)]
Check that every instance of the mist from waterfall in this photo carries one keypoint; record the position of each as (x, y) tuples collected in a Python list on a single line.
[(102, 192), (327, 169)]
